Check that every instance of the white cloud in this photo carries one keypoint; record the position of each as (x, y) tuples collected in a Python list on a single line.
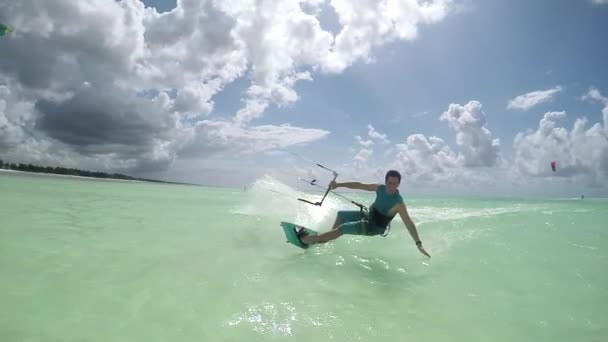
[(363, 155), (594, 94), (372, 133), (599, 2), (425, 160), (360, 160), (476, 144), (369, 23), (531, 99), (363, 143), (209, 137)]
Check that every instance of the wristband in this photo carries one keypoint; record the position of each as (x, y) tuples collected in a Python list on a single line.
[(419, 243)]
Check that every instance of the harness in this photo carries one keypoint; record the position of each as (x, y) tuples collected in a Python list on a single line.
[(377, 219)]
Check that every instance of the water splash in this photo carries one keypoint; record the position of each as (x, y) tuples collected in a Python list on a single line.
[(270, 198)]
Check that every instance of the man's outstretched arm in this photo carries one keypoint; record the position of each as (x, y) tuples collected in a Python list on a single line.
[(411, 227), (354, 185)]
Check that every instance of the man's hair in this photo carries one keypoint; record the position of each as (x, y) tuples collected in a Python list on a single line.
[(392, 173)]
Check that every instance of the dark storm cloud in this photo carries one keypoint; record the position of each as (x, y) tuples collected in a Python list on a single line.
[(96, 121), (92, 117)]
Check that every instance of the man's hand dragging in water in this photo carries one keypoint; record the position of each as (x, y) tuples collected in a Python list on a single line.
[(411, 227), (423, 251)]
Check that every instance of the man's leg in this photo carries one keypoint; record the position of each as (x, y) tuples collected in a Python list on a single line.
[(354, 228), (333, 234), (346, 216), (321, 238)]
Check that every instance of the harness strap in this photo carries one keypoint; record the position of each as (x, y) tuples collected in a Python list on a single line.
[(380, 220)]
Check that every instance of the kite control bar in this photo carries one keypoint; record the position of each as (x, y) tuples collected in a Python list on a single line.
[(313, 183), (326, 191)]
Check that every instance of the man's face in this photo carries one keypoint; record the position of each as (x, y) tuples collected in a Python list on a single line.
[(392, 183)]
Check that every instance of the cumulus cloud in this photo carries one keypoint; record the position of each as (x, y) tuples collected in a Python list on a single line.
[(363, 143), (430, 160), (595, 95), (580, 153), (370, 23), (425, 159), (531, 99), (475, 142), (363, 155), (122, 84), (372, 133), (360, 160)]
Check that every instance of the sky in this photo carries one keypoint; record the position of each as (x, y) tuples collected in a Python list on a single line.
[(462, 97)]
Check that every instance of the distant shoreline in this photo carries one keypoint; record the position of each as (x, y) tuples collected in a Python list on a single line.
[(142, 180)]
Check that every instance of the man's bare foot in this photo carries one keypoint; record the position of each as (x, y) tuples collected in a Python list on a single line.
[(306, 239), (302, 235)]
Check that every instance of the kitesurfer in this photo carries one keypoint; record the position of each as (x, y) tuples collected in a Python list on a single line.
[(387, 204)]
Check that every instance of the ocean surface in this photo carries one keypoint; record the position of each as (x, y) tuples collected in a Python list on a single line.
[(103, 260)]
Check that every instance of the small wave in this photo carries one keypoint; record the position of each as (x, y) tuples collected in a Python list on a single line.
[(429, 214)]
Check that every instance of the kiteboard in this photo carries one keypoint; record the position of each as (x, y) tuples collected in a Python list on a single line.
[(291, 233)]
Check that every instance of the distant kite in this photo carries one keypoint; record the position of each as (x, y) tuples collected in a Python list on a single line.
[(4, 29), (553, 166)]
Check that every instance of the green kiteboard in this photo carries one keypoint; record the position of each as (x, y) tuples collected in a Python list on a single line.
[(291, 232)]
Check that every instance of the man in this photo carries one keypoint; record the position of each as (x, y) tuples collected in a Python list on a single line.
[(387, 204)]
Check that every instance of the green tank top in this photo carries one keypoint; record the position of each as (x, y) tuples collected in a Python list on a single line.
[(379, 217), (385, 201)]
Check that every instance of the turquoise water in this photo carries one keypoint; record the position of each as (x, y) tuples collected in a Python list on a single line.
[(98, 260)]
